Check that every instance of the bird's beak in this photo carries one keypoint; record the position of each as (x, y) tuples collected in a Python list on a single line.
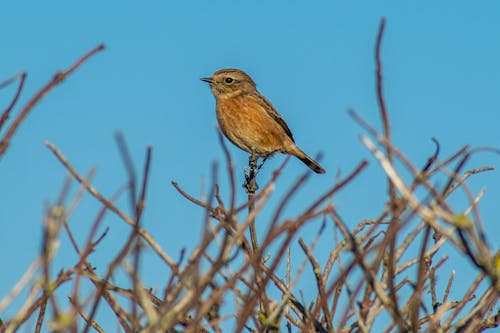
[(207, 79)]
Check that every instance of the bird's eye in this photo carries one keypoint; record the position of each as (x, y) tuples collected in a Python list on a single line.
[(228, 80)]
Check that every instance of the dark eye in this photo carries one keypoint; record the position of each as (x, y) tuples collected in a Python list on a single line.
[(228, 80)]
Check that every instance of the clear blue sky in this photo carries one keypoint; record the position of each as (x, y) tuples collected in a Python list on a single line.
[(314, 61)]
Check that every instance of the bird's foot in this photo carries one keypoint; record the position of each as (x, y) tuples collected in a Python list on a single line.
[(250, 184)]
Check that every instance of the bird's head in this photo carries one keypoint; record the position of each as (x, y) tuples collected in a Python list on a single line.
[(229, 82)]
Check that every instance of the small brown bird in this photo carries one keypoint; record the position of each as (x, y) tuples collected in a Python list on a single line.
[(249, 120)]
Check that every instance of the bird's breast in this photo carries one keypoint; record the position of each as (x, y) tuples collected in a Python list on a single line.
[(245, 122)]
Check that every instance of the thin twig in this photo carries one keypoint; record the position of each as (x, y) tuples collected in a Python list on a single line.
[(6, 112), (109, 205), (57, 79)]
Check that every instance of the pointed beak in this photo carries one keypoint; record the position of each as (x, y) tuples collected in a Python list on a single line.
[(207, 79)]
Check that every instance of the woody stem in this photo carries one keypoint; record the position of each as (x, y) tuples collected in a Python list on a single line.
[(251, 187)]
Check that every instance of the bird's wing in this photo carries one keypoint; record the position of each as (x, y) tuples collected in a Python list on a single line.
[(271, 111)]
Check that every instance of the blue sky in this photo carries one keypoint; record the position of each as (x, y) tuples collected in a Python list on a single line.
[(314, 61)]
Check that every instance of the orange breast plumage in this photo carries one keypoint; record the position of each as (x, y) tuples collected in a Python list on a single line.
[(245, 121)]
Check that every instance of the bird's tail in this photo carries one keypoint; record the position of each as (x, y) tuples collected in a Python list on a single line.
[(307, 160)]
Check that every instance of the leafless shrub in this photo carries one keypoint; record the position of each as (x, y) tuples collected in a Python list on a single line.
[(381, 275)]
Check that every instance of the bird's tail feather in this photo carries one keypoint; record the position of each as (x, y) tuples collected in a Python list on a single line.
[(307, 160)]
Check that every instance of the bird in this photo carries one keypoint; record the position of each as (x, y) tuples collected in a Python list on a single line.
[(249, 120)]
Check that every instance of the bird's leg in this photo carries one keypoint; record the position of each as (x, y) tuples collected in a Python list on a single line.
[(252, 161), (250, 184), (264, 159)]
